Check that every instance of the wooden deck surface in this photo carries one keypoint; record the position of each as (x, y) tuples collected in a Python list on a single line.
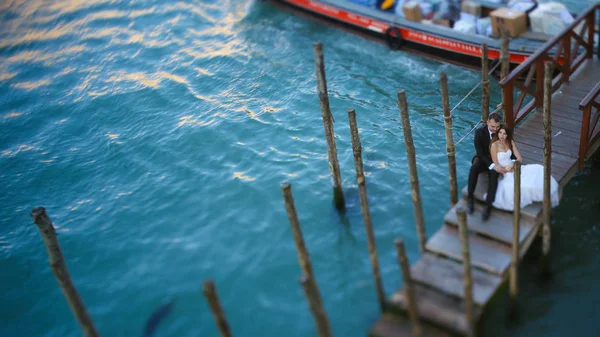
[(438, 275)]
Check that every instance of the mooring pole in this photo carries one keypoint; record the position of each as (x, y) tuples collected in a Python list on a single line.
[(504, 70), (547, 212), (409, 291), (208, 288), (461, 214), (61, 273), (485, 83), (334, 166), (515, 242), (364, 205), (450, 149), (303, 256), (311, 292), (412, 167)]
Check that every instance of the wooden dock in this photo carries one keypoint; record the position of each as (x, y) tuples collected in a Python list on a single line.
[(438, 276)]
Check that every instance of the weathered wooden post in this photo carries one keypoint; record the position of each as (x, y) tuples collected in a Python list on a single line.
[(303, 256), (364, 205), (61, 273), (208, 287), (504, 56), (461, 214), (409, 292), (412, 167), (515, 242), (504, 71), (311, 292), (485, 83), (547, 212), (334, 166), (450, 149)]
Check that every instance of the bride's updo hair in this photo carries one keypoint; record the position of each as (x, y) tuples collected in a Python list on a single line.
[(509, 136)]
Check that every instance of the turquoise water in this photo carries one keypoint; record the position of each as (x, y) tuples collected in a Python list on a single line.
[(157, 135)]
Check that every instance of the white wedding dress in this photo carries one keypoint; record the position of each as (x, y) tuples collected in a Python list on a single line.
[(532, 185)]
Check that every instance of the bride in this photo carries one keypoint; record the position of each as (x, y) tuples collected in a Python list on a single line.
[(532, 175)]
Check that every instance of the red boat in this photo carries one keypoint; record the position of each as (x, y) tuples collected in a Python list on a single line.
[(431, 40)]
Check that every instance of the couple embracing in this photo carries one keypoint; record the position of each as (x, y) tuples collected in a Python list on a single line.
[(496, 152)]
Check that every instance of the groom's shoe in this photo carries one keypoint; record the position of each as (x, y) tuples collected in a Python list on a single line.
[(470, 206), (486, 213)]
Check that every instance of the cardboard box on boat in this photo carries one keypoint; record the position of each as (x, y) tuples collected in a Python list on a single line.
[(514, 22), (441, 22), (471, 7), (412, 11)]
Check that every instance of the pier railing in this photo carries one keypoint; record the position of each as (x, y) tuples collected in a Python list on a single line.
[(567, 50), (590, 128)]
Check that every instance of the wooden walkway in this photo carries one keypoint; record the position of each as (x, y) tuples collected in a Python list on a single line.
[(438, 275)]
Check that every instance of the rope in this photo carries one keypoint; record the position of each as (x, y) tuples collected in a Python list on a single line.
[(468, 133), (474, 88)]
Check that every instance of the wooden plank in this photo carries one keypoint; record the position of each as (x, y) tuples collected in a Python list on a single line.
[(534, 127), (390, 325), (557, 147), (532, 211), (447, 276), (533, 155), (498, 227), (437, 308), (486, 254)]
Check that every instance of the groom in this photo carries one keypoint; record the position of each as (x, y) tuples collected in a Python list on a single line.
[(482, 162)]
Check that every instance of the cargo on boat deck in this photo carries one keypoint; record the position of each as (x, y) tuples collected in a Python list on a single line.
[(514, 22)]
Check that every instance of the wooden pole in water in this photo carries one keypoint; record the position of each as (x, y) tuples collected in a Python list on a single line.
[(208, 287), (412, 167), (334, 166), (461, 214), (311, 292), (515, 242), (504, 56), (409, 292), (364, 205), (356, 146), (59, 268), (504, 66), (450, 149), (547, 212), (485, 83), (303, 256)]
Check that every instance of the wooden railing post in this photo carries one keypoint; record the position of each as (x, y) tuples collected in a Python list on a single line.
[(507, 101), (539, 84), (412, 168), (547, 205), (591, 20), (485, 83), (504, 56), (566, 66), (450, 149), (515, 242), (583, 138)]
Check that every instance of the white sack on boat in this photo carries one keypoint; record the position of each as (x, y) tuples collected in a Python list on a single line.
[(484, 26), (468, 17), (550, 18), (465, 26)]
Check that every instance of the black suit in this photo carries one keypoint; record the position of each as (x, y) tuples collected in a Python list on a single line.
[(481, 163)]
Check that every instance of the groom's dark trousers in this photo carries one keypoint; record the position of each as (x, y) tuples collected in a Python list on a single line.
[(481, 163)]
